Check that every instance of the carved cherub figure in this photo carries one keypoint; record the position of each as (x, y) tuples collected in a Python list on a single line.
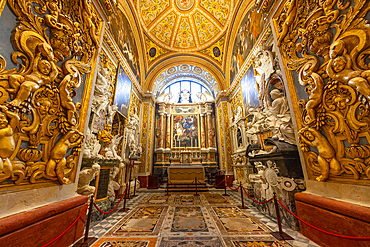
[(340, 68), (105, 135), (326, 157), (55, 165), (316, 89), (44, 71), (44, 106), (113, 146), (66, 88), (7, 142), (291, 12)]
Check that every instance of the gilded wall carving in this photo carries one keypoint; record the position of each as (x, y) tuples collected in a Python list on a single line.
[(144, 136), (236, 101), (228, 148), (149, 144), (327, 43), (39, 135), (222, 140)]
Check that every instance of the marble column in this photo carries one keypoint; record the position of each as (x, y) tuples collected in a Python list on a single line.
[(203, 130), (168, 134)]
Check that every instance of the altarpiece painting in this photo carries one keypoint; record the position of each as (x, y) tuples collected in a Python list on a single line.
[(185, 131)]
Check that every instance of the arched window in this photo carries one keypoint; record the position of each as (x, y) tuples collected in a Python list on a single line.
[(185, 91)]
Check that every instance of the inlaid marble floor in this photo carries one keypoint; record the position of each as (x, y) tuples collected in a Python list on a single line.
[(209, 220)]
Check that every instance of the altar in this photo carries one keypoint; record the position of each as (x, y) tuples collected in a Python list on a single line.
[(185, 174)]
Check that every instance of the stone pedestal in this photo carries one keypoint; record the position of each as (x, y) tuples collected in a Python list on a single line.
[(47, 222), (333, 216)]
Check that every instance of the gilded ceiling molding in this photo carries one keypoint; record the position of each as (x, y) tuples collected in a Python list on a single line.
[(180, 60), (216, 51), (153, 51), (185, 72), (192, 28)]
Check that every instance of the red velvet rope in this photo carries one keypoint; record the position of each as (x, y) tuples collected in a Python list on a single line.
[(182, 187), (255, 200), (314, 227), (74, 222), (156, 187), (103, 212), (213, 185), (232, 188)]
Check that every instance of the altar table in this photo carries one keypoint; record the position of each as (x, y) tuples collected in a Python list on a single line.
[(185, 174)]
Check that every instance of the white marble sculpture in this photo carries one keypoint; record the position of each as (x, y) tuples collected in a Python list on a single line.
[(112, 153), (92, 146), (111, 111), (113, 185), (264, 65), (133, 146), (85, 177), (101, 92), (165, 97), (280, 119), (239, 113)]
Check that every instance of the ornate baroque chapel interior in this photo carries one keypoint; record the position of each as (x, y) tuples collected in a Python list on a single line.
[(184, 123)]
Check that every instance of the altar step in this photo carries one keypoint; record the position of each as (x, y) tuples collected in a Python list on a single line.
[(187, 187)]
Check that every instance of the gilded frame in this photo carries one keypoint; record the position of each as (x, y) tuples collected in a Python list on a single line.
[(173, 117)]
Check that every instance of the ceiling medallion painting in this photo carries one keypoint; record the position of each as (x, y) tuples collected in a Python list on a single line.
[(184, 5), (185, 25)]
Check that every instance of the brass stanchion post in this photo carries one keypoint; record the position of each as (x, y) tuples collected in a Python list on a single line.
[(241, 195), (167, 188), (124, 209), (86, 241), (225, 194), (196, 187), (129, 184), (280, 235)]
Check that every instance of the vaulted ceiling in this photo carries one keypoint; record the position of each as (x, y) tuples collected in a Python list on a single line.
[(192, 32)]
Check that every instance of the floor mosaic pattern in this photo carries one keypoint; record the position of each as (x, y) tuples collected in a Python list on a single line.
[(186, 220)]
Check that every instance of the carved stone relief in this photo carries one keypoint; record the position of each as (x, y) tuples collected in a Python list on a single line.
[(326, 43)]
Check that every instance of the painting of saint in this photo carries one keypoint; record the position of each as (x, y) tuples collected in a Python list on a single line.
[(185, 131), (249, 89), (123, 92), (122, 34), (249, 32)]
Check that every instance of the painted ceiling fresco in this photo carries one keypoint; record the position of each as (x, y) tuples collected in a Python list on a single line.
[(184, 25)]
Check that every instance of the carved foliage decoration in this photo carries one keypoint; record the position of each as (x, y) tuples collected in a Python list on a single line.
[(228, 148), (144, 135), (54, 42), (222, 141), (327, 43)]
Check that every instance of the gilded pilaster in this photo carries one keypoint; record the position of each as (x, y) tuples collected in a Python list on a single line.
[(168, 131), (210, 131), (163, 128), (202, 133)]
